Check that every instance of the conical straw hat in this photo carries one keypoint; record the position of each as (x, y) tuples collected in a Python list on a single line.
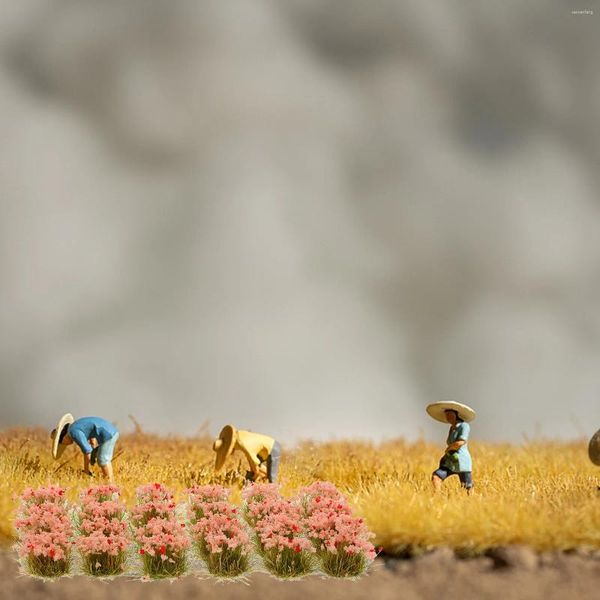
[(594, 448), (436, 410), (58, 448), (223, 445)]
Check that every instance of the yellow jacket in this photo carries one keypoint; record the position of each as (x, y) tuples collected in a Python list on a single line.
[(255, 446)]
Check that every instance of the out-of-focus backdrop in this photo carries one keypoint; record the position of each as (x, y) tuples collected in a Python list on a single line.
[(309, 218)]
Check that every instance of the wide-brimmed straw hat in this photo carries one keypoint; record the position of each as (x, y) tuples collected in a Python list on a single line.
[(594, 448), (223, 445), (57, 447), (437, 410)]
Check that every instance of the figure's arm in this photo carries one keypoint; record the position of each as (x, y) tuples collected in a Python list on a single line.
[(455, 446), (80, 439), (86, 463), (463, 435), (252, 460)]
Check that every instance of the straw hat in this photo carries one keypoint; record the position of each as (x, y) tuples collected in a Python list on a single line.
[(436, 410), (223, 445), (594, 448), (55, 435)]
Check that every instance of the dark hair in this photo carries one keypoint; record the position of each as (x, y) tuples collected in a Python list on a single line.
[(64, 432), (455, 412)]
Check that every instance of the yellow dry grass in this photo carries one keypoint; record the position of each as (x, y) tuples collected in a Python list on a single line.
[(541, 493)]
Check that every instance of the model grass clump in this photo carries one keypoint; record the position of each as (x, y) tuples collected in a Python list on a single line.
[(218, 534), (103, 534), (45, 533), (340, 540), (160, 536), (280, 534)]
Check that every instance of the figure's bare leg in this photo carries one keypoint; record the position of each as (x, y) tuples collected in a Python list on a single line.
[(437, 483), (107, 470)]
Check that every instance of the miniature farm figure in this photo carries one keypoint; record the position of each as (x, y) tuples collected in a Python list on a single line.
[(95, 437), (594, 450), (263, 452), (456, 459)]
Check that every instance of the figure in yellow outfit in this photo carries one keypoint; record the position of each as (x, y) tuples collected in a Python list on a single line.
[(262, 451)]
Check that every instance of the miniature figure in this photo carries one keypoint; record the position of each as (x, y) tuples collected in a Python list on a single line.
[(95, 437), (594, 450), (456, 459), (263, 452)]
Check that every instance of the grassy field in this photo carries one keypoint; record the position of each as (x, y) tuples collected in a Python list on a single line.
[(542, 494)]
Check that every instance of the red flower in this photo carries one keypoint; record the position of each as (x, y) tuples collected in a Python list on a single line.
[(51, 553), (142, 551), (297, 548), (157, 486), (162, 550)]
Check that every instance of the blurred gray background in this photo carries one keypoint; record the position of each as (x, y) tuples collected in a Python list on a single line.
[(309, 218)]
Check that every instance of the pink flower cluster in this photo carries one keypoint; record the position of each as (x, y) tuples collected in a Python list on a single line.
[(217, 531), (44, 529), (221, 529), (161, 538), (339, 532), (43, 495), (322, 495), (334, 531), (208, 493), (153, 501), (203, 498), (280, 531), (103, 532), (259, 492), (261, 500), (283, 528), (100, 493)]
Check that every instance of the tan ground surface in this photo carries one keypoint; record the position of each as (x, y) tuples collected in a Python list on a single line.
[(436, 575)]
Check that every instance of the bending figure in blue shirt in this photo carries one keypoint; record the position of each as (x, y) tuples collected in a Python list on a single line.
[(95, 437)]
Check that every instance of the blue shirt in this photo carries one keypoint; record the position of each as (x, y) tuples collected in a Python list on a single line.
[(459, 461), (86, 428)]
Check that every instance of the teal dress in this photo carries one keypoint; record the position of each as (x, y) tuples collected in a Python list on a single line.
[(458, 461)]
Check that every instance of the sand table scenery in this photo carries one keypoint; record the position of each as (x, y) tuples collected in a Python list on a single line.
[(533, 520), (540, 494), (358, 240)]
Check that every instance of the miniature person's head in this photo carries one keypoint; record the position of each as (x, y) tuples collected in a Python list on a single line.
[(64, 438), (452, 416)]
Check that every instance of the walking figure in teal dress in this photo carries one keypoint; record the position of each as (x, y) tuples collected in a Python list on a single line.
[(456, 459)]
